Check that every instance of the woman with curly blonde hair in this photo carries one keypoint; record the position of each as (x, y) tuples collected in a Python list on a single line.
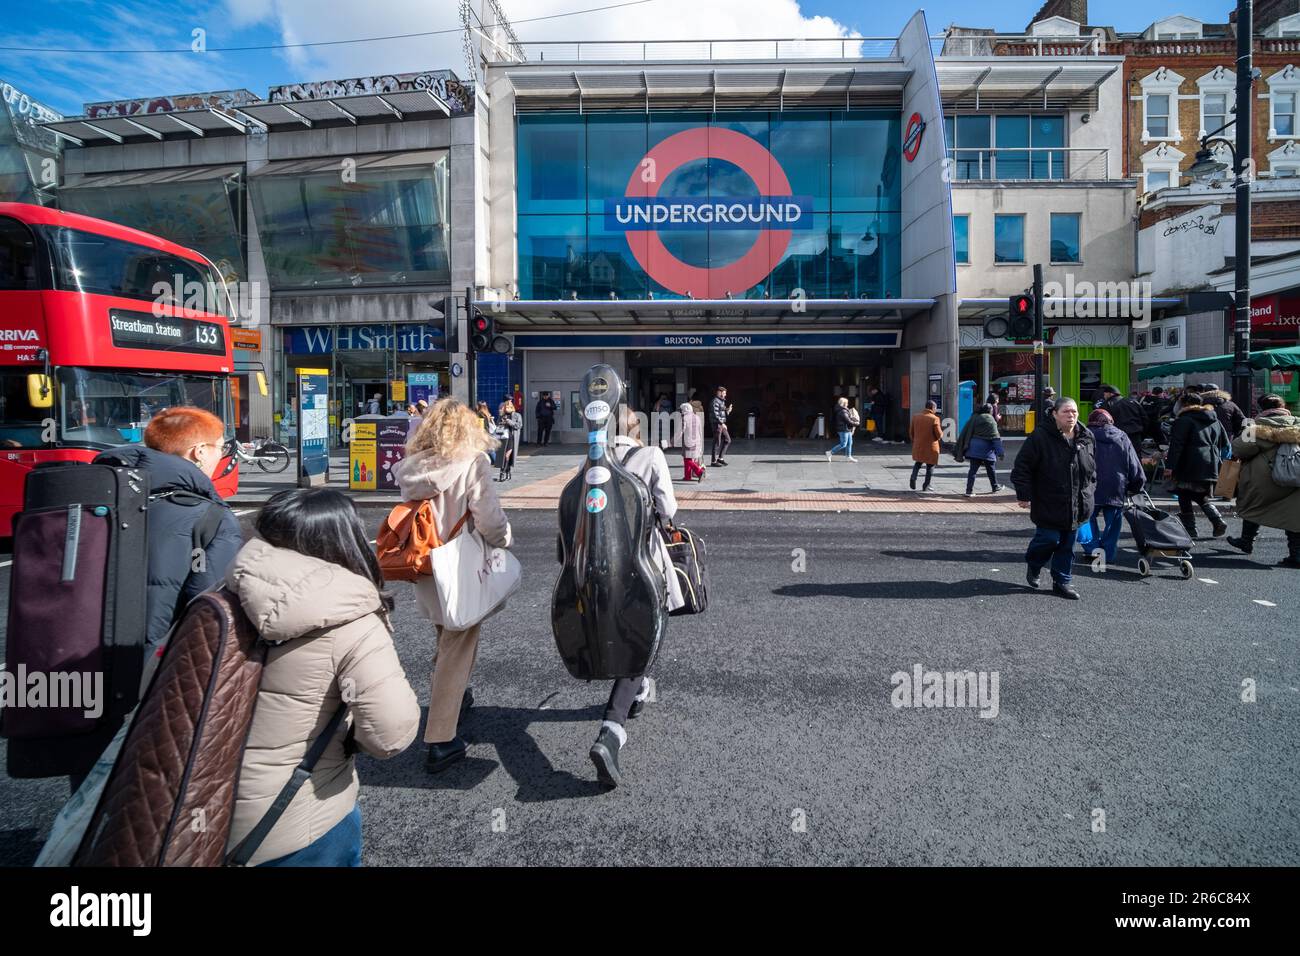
[(447, 465)]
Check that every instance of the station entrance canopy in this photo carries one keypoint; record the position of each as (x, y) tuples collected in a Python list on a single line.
[(705, 323)]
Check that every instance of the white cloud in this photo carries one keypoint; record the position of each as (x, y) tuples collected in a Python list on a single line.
[(309, 20)]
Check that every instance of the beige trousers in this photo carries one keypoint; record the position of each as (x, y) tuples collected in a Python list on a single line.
[(453, 659)]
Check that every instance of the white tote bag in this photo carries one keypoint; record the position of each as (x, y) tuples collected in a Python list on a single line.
[(470, 581)]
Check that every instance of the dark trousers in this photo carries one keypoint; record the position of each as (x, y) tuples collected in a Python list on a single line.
[(721, 441), (544, 426), (1057, 547), (975, 470), (621, 697), (916, 470)]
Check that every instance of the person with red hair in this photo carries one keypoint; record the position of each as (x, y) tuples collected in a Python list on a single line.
[(181, 452)]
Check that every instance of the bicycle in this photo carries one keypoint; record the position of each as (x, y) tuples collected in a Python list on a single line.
[(270, 456)]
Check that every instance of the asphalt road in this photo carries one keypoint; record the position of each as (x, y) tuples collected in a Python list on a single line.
[(773, 740)]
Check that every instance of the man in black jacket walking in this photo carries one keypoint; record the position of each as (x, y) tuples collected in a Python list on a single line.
[(1128, 414), (1055, 477), (545, 415), (719, 411)]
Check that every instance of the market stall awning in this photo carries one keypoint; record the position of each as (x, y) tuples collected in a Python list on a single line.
[(1265, 358)]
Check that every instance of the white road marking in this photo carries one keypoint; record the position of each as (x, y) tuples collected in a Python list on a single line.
[(5, 564), (1207, 580), (1265, 603)]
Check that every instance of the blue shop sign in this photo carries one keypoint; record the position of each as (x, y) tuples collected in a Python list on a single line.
[(875, 339), (324, 339)]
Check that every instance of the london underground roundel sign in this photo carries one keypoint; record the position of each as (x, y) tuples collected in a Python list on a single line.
[(912, 138), (773, 213)]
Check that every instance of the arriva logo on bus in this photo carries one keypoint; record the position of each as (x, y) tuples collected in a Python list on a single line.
[(642, 213)]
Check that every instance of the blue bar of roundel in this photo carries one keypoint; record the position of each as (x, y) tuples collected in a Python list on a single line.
[(669, 213)]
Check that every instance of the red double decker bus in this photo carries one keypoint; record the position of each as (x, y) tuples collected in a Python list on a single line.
[(99, 332)]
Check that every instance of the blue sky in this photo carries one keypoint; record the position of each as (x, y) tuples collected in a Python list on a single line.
[(100, 28)]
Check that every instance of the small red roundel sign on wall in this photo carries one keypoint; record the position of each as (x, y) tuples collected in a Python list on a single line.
[(912, 138)]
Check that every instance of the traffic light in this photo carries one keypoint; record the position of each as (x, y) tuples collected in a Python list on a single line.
[(481, 331), (450, 317), (1020, 316)]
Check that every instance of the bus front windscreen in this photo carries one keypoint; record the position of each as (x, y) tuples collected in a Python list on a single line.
[(104, 408), (100, 265)]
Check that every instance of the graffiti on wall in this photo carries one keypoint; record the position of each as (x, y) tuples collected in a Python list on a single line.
[(220, 99), (443, 83)]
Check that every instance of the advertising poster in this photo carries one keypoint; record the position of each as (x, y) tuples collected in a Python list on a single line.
[(313, 427), (422, 385), (392, 449), (362, 457)]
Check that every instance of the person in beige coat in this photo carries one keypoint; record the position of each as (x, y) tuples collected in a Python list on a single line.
[(447, 465), (311, 586)]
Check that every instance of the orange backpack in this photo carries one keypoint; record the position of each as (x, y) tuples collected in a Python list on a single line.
[(405, 539)]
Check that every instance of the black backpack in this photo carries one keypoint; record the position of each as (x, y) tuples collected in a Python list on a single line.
[(77, 620)]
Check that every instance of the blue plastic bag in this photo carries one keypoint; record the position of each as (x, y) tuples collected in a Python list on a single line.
[(1084, 536)]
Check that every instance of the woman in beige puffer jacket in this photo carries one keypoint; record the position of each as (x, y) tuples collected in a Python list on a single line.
[(312, 588), (447, 465)]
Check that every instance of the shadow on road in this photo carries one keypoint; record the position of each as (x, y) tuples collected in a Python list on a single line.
[(505, 729), (20, 847), (905, 590)]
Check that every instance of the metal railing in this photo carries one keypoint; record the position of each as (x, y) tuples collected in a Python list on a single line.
[(1004, 45), (660, 51), (1036, 163)]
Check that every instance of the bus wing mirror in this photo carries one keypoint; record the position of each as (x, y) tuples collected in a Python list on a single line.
[(39, 393)]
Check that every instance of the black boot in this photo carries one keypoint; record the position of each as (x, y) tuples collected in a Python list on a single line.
[(1216, 519), (1246, 543), (443, 755), (1292, 559), (1189, 523), (604, 754), (912, 482)]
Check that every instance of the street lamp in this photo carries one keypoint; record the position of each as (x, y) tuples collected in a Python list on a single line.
[(1206, 168)]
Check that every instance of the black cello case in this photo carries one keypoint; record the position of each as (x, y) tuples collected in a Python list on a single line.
[(609, 605)]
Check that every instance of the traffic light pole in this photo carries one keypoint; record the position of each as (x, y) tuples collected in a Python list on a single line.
[(1038, 344), (471, 357), (1241, 373)]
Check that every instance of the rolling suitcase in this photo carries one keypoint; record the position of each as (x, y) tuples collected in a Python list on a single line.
[(77, 619)]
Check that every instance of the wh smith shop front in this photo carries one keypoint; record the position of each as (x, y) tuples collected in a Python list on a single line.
[(775, 222)]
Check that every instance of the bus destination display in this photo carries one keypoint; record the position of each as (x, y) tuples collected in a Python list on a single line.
[(142, 330)]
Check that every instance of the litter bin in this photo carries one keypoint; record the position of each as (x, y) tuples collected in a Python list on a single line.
[(751, 425), (819, 429)]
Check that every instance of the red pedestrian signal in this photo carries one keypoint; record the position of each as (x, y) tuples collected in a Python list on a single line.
[(1020, 316), (480, 332)]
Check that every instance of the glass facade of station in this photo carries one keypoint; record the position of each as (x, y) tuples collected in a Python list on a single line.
[(365, 226), (845, 163)]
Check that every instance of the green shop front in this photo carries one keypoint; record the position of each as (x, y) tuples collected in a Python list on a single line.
[(1077, 361)]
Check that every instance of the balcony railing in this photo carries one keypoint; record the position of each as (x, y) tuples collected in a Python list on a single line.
[(659, 51), (1028, 163), (1004, 45)]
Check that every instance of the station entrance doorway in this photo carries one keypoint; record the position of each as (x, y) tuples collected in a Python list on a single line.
[(785, 390)]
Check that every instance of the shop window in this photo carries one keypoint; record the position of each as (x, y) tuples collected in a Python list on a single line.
[(389, 227), (1009, 238), (1065, 237), (961, 238)]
